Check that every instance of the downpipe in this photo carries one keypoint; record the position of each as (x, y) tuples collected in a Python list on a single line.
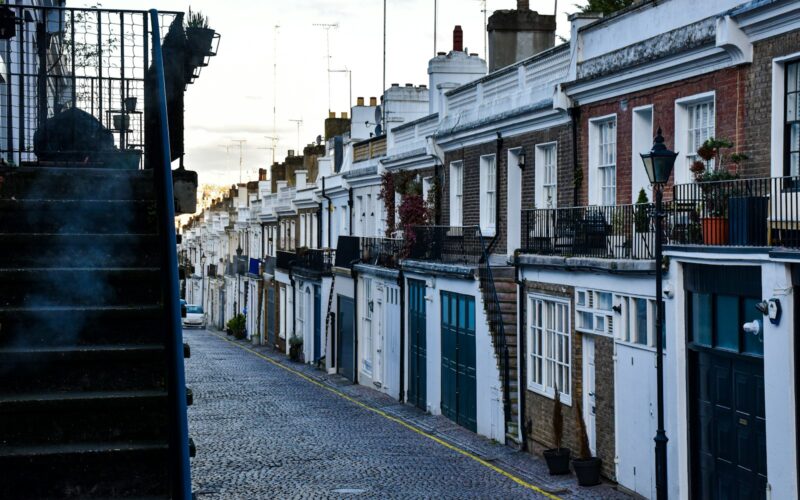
[(326, 197), (521, 349), (356, 319)]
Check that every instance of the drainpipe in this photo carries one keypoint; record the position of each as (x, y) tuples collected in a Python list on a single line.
[(350, 207), (496, 237), (575, 114), (325, 196), (521, 349), (356, 319)]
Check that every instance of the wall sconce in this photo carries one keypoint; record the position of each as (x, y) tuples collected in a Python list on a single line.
[(772, 309), (521, 159), (668, 291), (617, 308)]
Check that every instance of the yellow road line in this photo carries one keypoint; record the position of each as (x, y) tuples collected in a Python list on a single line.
[(396, 420)]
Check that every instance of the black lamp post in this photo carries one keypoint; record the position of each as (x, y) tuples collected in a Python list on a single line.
[(659, 163), (239, 253)]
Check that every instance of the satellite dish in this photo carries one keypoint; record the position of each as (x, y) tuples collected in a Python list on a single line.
[(378, 130), (378, 115)]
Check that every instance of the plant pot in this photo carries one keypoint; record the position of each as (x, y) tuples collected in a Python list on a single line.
[(557, 461), (130, 104), (122, 122), (199, 40), (587, 471), (715, 230), (294, 352)]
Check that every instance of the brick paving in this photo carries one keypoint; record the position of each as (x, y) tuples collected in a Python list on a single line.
[(264, 432)]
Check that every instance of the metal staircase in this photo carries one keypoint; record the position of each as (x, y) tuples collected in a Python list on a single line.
[(92, 392)]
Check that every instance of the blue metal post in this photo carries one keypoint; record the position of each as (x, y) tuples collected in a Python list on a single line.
[(180, 473)]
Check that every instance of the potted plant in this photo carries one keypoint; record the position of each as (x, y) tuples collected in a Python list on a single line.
[(122, 122), (236, 326), (714, 214), (199, 38), (587, 468), (557, 458), (295, 348), (130, 104)]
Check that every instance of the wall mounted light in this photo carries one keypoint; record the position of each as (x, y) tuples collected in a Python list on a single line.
[(521, 159)]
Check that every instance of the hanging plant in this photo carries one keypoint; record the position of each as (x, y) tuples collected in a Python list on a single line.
[(412, 213), (387, 195)]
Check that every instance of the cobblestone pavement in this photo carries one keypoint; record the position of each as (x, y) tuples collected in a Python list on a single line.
[(265, 432)]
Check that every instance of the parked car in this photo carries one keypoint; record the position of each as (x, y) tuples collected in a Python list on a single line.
[(195, 317)]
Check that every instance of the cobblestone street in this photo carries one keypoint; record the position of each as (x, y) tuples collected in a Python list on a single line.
[(269, 428)]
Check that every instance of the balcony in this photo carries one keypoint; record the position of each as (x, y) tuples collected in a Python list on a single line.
[(383, 252), (315, 260), (602, 232), (284, 260), (761, 212), (447, 245)]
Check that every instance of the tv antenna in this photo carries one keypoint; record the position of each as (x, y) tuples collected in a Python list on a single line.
[(485, 11), (350, 77), (241, 143), (275, 92), (328, 28), (298, 123), (271, 139)]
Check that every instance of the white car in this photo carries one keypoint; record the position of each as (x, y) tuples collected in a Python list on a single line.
[(195, 317)]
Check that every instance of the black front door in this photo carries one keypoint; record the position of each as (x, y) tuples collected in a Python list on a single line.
[(417, 344), (345, 330), (726, 382)]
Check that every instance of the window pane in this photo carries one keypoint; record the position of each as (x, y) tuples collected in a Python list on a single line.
[(791, 77), (728, 324), (791, 107), (604, 301), (753, 344), (641, 321), (701, 318)]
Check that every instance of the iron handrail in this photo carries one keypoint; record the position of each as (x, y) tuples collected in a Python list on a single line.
[(180, 473), (495, 317)]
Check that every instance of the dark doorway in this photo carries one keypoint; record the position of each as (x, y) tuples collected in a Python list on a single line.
[(317, 354), (345, 333), (271, 316), (417, 344)]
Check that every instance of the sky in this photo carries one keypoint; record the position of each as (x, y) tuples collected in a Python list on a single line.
[(233, 98)]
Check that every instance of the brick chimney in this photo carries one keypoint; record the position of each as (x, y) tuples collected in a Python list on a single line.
[(458, 39), (518, 34)]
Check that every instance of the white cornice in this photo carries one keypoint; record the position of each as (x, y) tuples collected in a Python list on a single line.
[(509, 127)]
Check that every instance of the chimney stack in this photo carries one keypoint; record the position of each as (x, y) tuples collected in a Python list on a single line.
[(359, 101), (458, 39), (515, 35), (523, 5), (373, 101)]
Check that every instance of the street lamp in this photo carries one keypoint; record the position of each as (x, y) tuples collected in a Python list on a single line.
[(237, 302), (203, 279), (659, 163)]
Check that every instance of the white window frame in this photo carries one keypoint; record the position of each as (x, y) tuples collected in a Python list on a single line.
[(683, 145), (549, 341), (427, 184), (587, 302), (546, 175), (603, 163), (627, 330), (456, 193), (488, 197)]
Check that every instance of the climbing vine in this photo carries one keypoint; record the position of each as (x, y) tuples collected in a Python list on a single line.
[(413, 209), (387, 195)]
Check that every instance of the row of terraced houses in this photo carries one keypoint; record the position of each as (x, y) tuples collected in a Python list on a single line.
[(494, 242)]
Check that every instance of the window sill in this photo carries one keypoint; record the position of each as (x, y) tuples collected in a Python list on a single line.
[(489, 232), (566, 399)]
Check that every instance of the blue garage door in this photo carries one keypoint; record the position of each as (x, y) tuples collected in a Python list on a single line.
[(345, 332), (416, 344), (458, 359)]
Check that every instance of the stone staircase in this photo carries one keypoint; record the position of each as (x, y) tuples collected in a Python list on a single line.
[(506, 290), (84, 406)]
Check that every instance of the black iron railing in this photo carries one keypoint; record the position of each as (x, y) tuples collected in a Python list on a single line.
[(741, 212), (284, 260), (318, 260), (384, 252), (451, 245), (613, 232), (268, 264), (348, 251), (80, 86)]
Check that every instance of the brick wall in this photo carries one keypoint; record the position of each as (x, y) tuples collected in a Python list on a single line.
[(728, 84), (471, 189), (538, 416), (758, 100)]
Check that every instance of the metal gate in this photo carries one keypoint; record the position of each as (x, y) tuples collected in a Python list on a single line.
[(459, 393), (345, 332), (417, 344)]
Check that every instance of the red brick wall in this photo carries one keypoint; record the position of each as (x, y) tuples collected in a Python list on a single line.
[(471, 189), (729, 86)]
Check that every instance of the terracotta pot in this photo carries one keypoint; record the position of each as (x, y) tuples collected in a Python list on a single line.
[(557, 461), (715, 230)]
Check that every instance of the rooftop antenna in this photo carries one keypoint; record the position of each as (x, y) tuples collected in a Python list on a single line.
[(328, 28), (435, 24), (485, 11), (275, 92), (350, 76), (241, 142), (299, 123), (384, 58), (274, 141)]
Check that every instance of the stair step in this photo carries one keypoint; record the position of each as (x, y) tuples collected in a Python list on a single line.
[(44, 287), (78, 250), (96, 368), (505, 287), (119, 469), (76, 326), (507, 297), (28, 419), (77, 183), (503, 273), (78, 216)]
